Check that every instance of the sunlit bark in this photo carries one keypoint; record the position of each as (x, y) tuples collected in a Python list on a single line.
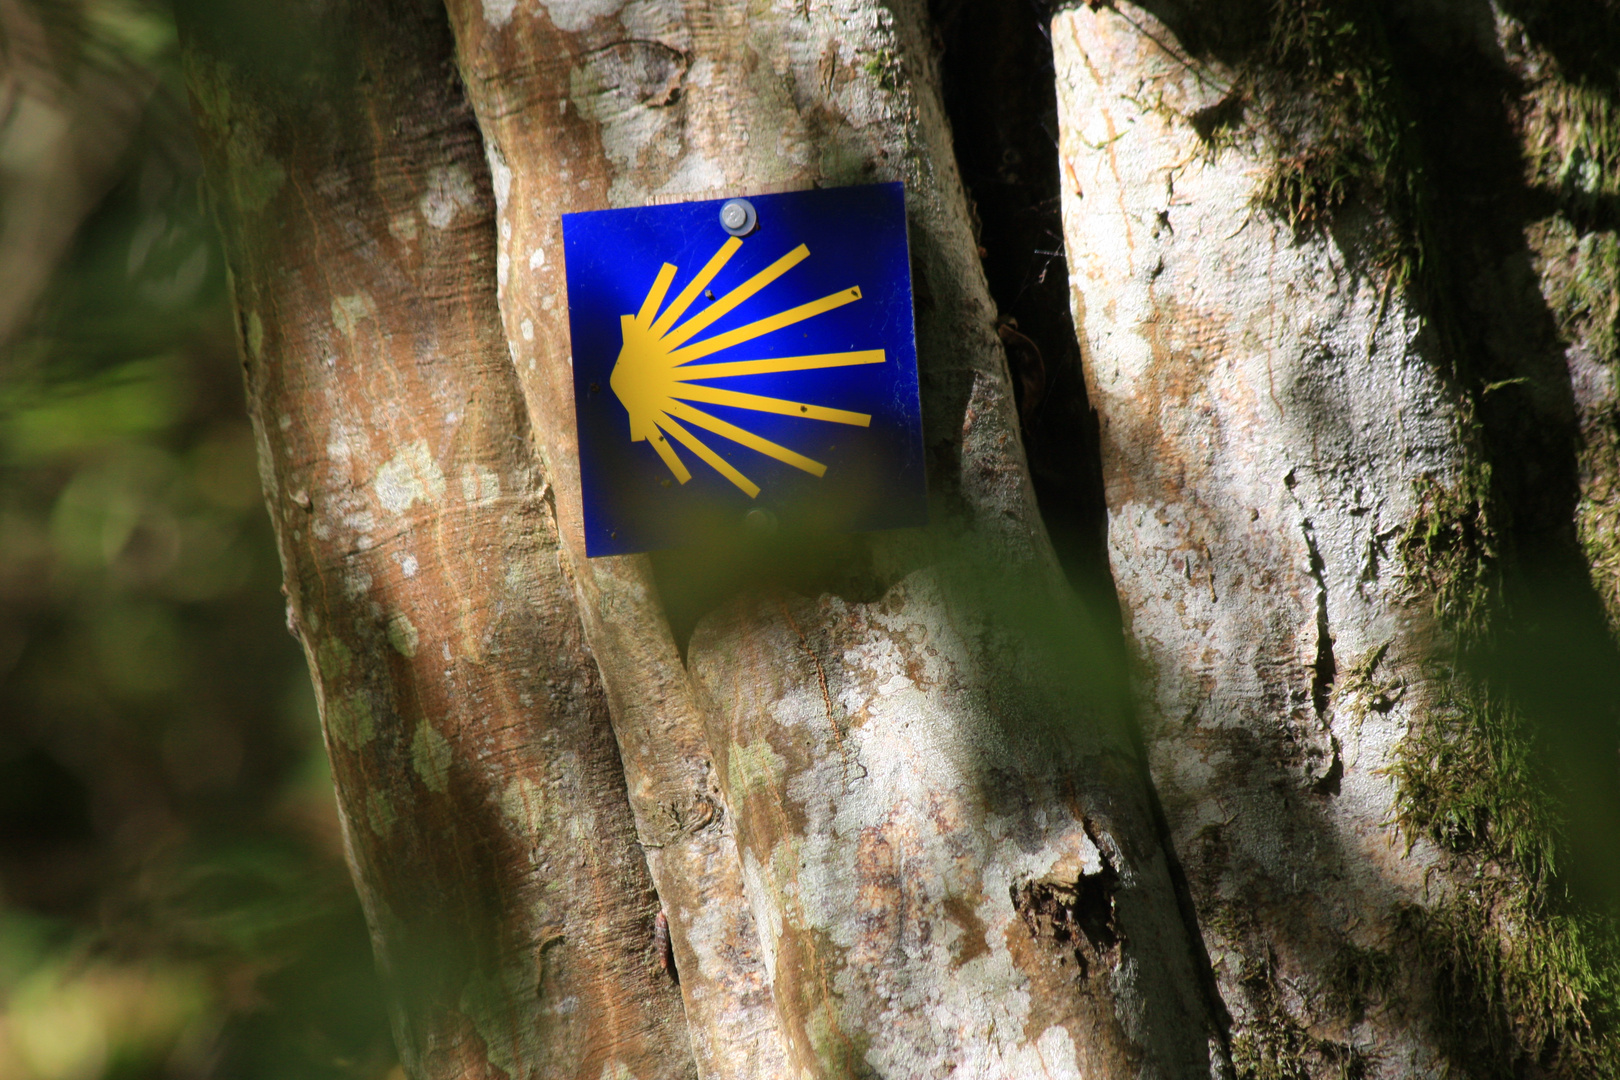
[(884, 788), (1300, 422), (481, 793), (924, 800)]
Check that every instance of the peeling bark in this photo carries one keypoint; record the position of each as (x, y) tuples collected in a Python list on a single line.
[(481, 794), (931, 818)]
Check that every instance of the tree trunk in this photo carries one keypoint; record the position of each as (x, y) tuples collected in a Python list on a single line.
[(886, 787), (481, 794), (1306, 479), (919, 789)]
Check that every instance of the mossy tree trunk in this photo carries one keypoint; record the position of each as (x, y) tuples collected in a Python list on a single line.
[(894, 820), (885, 788), (1335, 437)]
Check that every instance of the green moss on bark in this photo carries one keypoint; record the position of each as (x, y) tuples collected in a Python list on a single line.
[(1522, 983), (1315, 92), (1519, 990), (1580, 275), (1572, 144), (1449, 553), (1466, 779), (1273, 1045), (1271, 1041), (1570, 131), (1342, 134)]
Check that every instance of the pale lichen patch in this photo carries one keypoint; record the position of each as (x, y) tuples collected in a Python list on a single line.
[(408, 477), (402, 635), (1056, 1052), (573, 15), (624, 89), (497, 13), (450, 190), (258, 180), (518, 800), (430, 757), (402, 227), (333, 658), (349, 719), (347, 311), (500, 174), (356, 581), (255, 335), (346, 439), (519, 578), (480, 484), (755, 766), (694, 174), (380, 812)]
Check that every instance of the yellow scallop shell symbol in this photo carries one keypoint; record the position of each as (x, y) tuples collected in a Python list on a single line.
[(654, 374)]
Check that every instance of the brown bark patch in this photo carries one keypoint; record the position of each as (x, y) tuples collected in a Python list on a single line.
[(972, 943), (462, 1052), (1145, 443), (1074, 919)]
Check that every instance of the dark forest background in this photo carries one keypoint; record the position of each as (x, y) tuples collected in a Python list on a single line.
[(173, 897)]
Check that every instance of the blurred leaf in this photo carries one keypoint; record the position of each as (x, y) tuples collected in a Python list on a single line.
[(26, 942), (78, 1021), (39, 423)]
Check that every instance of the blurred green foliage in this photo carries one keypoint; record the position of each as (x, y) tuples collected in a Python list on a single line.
[(173, 897)]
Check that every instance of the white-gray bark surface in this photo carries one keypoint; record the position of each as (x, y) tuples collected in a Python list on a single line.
[(883, 785), (1271, 410), (942, 838)]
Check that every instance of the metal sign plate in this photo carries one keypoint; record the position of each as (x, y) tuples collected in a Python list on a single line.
[(744, 365)]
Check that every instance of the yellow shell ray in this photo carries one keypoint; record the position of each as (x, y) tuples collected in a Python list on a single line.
[(653, 375)]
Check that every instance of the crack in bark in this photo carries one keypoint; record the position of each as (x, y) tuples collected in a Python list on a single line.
[(1324, 668), (1078, 918)]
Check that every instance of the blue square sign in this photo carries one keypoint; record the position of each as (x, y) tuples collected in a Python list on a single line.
[(744, 364)]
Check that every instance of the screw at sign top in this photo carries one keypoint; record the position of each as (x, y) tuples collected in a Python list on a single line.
[(738, 218)]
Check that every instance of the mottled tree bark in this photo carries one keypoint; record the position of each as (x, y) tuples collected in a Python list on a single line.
[(1265, 409), (481, 794), (887, 795), (921, 796), (1301, 354)]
